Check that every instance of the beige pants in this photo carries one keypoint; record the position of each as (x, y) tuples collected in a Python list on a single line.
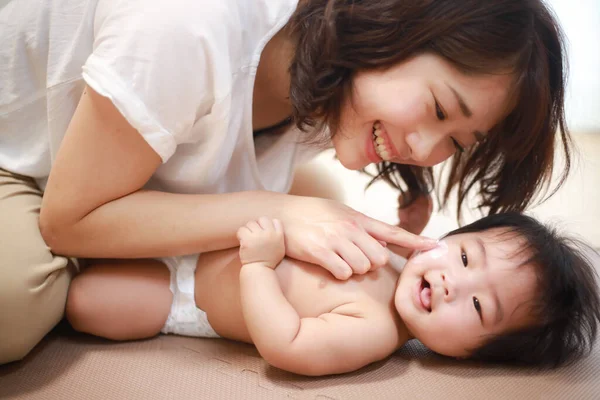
[(33, 281)]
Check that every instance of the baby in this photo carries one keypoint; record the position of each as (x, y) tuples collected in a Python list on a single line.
[(504, 289)]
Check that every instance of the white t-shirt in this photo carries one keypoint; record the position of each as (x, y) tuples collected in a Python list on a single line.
[(180, 71)]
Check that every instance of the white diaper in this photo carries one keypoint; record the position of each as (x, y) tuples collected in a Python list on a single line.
[(185, 318)]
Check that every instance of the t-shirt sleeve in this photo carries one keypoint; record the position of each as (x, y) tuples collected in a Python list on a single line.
[(149, 61)]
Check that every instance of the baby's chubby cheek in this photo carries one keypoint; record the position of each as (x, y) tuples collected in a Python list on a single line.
[(437, 253), (411, 275)]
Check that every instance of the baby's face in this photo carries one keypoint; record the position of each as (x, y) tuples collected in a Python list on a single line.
[(470, 286)]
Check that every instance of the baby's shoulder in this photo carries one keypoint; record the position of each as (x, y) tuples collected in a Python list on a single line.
[(371, 310), (378, 321)]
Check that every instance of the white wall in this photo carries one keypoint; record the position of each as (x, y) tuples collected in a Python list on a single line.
[(580, 20)]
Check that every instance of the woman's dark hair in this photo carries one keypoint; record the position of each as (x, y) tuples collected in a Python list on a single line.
[(336, 38), (566, 303)]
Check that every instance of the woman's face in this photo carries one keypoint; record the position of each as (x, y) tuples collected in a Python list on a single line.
[(418, 112)]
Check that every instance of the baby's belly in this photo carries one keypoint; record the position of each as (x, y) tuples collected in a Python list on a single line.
[(310, 289)]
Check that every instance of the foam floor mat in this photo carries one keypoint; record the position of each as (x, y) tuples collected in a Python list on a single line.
[(68, 365)]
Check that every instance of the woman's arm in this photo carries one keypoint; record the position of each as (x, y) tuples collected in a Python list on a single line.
[(93, 206)]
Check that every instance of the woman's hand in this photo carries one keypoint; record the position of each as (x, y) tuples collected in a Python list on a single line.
[(340, 239)]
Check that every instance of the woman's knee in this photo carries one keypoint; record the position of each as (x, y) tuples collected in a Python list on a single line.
[(33, 290), (28, 311), (33, 280)]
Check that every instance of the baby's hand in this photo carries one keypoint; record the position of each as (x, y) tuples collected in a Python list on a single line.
[(262, 242)]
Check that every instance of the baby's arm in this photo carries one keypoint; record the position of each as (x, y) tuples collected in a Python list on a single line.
[(342, 340)]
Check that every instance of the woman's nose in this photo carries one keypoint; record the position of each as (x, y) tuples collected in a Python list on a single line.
[(421, 145)]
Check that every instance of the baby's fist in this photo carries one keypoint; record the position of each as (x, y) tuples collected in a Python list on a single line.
[(262, 242)]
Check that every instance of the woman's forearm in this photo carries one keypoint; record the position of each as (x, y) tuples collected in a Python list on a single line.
[(155, 224)]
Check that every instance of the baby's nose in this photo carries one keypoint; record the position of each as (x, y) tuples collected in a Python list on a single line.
[(448, 286)]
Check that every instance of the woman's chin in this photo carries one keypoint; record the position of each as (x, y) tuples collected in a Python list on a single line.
[(352, 164)]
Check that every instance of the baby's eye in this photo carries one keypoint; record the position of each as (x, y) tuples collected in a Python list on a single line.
[(477, 306), (464, 258)]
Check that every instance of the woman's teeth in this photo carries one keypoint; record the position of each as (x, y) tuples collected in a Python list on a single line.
[(381, 147)]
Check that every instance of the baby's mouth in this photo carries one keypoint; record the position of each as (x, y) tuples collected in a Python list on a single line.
[(425, 294)]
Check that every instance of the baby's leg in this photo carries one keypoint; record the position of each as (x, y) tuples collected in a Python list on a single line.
[(121, 299)]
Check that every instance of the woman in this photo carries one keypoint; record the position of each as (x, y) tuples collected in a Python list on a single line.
[(179, 129)]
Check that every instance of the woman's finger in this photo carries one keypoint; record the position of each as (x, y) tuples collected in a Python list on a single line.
[(353, 256), (395, 235), (375, 252), (332, 262)]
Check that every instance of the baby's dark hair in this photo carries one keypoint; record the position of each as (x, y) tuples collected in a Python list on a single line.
[(567, 305)]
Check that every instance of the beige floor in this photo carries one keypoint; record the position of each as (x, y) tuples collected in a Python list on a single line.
[(575, 208)]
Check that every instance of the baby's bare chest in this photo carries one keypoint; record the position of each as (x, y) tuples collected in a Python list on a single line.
[(313, 291)]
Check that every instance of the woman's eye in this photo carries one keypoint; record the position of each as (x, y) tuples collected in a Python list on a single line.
[(457, 145), (465, 260), (439, 113)]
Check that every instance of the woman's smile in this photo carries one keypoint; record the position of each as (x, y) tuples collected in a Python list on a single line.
[(400, 108)]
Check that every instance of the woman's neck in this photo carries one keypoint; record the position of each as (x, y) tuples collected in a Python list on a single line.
[(270, 100)]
